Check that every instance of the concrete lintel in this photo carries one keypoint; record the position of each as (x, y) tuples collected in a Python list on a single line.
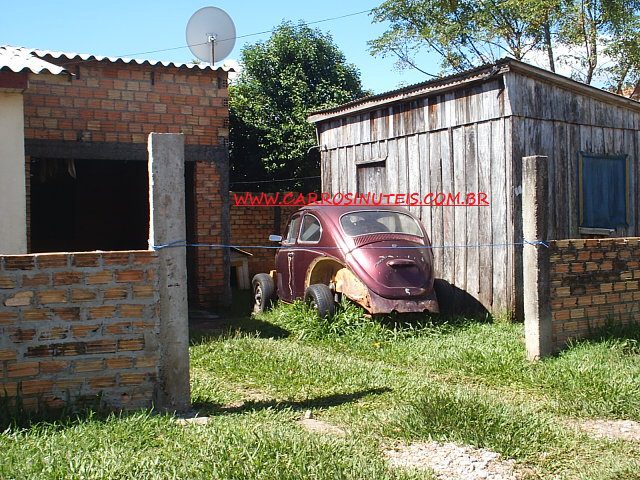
[(88, 150)]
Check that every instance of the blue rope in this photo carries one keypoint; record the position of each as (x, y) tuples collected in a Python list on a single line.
[(183, 243)]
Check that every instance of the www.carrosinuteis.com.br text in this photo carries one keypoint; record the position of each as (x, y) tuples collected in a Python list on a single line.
[(412, 199)]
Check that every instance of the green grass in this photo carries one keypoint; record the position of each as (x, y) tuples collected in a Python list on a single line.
[(261, 444), (382, 380)]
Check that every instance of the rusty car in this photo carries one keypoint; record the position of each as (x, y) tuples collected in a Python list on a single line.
[(377, 257)]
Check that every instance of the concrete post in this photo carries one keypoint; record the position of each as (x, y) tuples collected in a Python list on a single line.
[(535, 258), (167, 224)]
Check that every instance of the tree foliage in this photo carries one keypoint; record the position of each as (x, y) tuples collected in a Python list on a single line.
[(296, 71), (467, 33)]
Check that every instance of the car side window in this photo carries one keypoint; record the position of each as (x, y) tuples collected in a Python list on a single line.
[(311, 230), (292, 230)]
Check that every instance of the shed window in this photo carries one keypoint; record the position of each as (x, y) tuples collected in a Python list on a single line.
[(604, 190)]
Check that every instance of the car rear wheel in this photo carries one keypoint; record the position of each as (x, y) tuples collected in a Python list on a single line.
[(320, 298), (263, 292)]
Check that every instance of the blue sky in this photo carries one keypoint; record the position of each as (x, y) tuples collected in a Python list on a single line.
[(122, 28)]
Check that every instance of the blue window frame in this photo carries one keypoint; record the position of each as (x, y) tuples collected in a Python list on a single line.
[(604, 190)]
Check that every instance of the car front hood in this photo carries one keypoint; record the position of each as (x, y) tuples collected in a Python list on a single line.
[(394, 268)]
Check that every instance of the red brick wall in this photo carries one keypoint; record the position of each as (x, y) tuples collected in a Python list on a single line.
[(211, 227), (123, 103), (79, 326), (252, 226), (117, 102), (593, 282)]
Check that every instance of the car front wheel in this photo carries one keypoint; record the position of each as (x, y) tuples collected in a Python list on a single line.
[(320, 298), (263, 292)]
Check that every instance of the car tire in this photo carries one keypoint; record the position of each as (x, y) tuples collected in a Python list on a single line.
[(264, 291), (320, 298)]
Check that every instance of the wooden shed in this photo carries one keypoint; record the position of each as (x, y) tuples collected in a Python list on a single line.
[(468, 133)]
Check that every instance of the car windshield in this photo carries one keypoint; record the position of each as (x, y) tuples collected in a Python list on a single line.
[(379, 221)]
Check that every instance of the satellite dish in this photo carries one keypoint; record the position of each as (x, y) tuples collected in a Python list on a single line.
[(211, 34)]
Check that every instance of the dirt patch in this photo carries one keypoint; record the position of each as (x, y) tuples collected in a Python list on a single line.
[(319, 426), (452, 462), (250, 395), (628, 430)]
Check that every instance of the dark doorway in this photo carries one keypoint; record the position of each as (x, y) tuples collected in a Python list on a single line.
[(86, 205), (190, 213)]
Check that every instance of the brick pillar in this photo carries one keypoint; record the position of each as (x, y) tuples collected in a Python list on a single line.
[(211, 207), (167, 224), (535, 258)]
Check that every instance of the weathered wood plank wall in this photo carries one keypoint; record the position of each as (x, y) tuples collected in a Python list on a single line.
[(472, 140), (553, 121), (454, 142)]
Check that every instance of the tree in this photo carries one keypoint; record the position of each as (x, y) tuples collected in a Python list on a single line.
[(591, 28), (296, 71), (467, 33)]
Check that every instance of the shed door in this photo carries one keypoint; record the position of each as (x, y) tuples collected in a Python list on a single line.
[(372, 177)]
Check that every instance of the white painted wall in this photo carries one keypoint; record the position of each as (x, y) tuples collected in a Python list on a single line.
[(13, 203)]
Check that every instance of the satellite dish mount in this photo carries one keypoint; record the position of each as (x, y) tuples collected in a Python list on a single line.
[(211, 34), (211, 38)]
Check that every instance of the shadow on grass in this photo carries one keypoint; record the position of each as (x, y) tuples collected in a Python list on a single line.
[(420, 320), (14, 416), (610, 331), (220, 329), (228, 322), (454, 301), (626, 336), (211, 409), (349, 319)]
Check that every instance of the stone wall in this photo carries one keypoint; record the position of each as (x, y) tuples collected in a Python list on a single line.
[(593, 282), (80, 328)]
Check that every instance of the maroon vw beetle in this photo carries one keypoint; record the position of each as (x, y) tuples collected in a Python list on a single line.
[(378, 257)]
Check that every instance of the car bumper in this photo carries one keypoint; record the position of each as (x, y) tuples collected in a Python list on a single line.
[(378, 304)]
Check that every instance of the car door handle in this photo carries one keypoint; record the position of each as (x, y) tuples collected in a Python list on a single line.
[(401, 262)]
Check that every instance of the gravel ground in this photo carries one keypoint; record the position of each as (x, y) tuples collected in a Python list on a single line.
[(452, 462)]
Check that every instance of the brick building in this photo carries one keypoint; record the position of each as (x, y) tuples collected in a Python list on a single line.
[(86, 122), (252, 226)]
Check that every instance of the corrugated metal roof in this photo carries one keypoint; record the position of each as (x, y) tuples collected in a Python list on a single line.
[(410, 91), (73, 56), (450, 82), (18, 59)]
